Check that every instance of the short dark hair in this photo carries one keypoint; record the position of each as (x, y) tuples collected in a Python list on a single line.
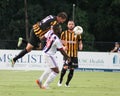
[(62, 15), (71, 21), (57, 28)]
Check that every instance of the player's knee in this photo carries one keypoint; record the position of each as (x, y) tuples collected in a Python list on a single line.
[(29, 47), (56, 70)]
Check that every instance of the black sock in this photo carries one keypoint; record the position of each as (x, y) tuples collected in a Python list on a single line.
[(21, 54), (62, 74), (70, 75)]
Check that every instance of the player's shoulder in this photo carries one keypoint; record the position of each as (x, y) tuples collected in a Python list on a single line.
[(63, 32), (56, 37), (51, 16)]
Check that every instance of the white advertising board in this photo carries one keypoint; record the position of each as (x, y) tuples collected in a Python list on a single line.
[(31, 61), (35, 60), (100, 60)]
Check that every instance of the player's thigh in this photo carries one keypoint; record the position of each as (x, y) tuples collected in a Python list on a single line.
[(29, 47), (50, 61), (34, 40), (74, 62)]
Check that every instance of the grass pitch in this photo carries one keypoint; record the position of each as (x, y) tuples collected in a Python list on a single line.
[(22, 83)]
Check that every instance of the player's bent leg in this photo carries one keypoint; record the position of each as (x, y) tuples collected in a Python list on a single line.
[(29, 47), (45, 74), (51, 77), (43, 77), (21, 54)]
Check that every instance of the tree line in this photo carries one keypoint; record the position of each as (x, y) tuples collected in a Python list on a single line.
[(100, 19)]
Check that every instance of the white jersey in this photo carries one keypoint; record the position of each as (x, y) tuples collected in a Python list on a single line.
[(52, 43), (118, 50)]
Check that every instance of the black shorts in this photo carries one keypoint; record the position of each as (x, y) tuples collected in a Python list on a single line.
[(34, 40), (73, 63)]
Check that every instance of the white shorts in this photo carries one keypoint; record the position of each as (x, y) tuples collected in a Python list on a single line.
[(50, 61)]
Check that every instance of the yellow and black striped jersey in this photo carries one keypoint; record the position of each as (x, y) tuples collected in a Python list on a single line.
[(44, 25), (71, 41)]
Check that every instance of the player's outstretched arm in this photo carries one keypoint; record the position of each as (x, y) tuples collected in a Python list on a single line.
[(65, 55)]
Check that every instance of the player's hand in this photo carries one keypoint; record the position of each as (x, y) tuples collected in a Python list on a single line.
[(65, 48)]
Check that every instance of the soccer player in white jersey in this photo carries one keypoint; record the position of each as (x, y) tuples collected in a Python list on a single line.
[(53, 44)]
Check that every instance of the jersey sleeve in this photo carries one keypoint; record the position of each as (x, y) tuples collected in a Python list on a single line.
[(48, 22), (79, 37)]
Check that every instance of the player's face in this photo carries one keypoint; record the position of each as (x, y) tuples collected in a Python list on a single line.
[(61, 20), (70, 25)]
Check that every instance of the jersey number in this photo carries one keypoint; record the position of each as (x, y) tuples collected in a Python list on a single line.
[(46, 19)]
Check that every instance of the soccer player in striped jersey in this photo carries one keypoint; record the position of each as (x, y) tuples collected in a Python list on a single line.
[(71, 43), (53, 43), (38, 31)]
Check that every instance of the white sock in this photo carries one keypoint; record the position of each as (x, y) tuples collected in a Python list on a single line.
[(50, 78), (45, 75)]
